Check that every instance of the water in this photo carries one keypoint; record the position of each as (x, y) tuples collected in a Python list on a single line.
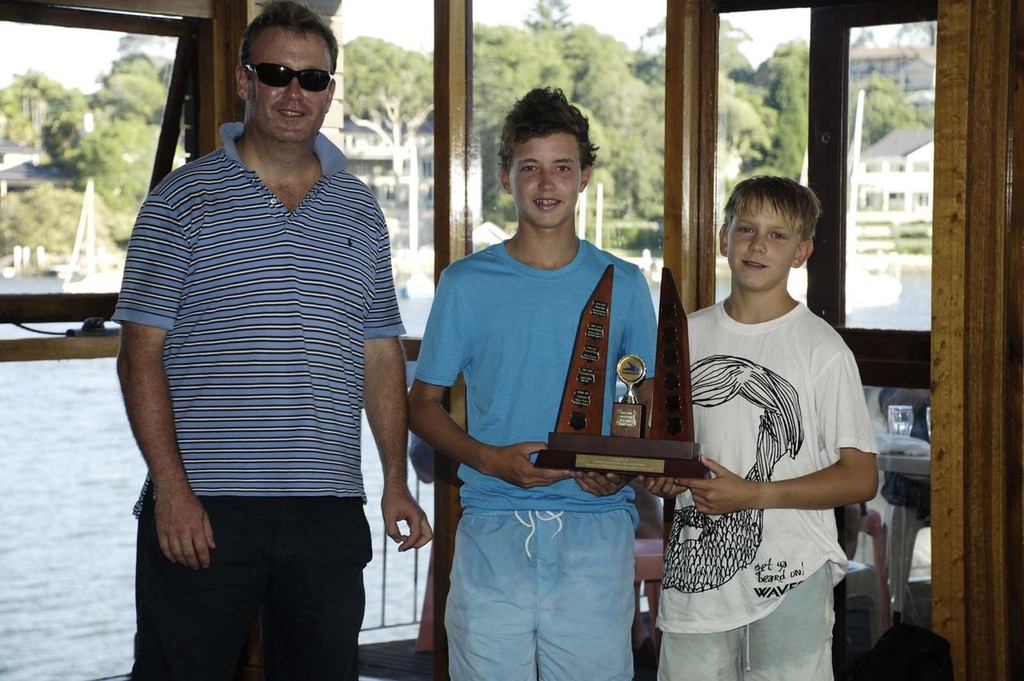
[(69, 475)]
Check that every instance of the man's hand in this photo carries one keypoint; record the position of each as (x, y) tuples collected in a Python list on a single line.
[(397, 504), (183, 528)]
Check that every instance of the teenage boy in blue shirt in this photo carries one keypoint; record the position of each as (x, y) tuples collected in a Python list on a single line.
[(542, 579)]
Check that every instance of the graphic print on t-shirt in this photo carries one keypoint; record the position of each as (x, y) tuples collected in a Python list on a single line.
[(721, 546)]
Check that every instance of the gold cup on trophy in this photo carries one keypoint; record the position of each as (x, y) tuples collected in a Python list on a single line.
[(628, 413)]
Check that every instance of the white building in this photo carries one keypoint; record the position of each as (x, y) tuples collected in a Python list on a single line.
[(893, 183)]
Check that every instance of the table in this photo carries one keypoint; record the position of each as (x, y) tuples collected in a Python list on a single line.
[(903, 521)]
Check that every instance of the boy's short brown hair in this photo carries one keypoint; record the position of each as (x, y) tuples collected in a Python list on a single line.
[(542, 112), (790, 199)]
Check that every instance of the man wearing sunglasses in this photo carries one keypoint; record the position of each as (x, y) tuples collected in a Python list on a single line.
[(258, 318)]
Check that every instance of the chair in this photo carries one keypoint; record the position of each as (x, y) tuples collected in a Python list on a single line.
[(871, 582), (650, 567)]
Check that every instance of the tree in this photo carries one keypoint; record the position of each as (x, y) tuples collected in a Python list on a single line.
[(863, 37), (118, 155), (788, 72), (388, 90), (47, 217), (132, 90), (30, 102), (744, 126), (732, 63), (549, 15), (885, 109), (615, 87), (623, 109), (507, 63)]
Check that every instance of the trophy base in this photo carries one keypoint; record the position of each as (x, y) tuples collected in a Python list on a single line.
[(611, 454)]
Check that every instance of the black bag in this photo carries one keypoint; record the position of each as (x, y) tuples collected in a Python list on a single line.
[(904, 653)]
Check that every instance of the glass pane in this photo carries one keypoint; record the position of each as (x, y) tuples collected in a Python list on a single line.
[(77, 142), (889, 209), (382, 118), (611, 65), (762, 109), (888, 539), (72, 471)]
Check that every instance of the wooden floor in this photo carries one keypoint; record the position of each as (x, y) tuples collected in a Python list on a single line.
[(394, 661), (397, 661)]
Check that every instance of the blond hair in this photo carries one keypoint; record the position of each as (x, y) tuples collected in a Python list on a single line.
[(797, 204)]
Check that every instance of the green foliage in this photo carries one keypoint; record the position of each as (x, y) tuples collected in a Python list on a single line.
[(549, 15), (48, 216), (788, 71), (886, 109), (132, 91), (379, 74), (732, 63), (30, 102), (620, 90), (109, 137), (744, 125), (507, 62), (119, 157), (630, 238)]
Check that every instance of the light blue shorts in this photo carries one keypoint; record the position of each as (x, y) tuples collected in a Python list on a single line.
[(541, 595), (793, 642)]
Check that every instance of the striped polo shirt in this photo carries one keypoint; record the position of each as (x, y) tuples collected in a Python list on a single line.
[(266, 312)]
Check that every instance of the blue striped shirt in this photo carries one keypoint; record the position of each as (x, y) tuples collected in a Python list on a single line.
[(266, 312)]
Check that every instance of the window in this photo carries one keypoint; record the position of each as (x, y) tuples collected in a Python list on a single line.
[(762, 108), (872, 280)]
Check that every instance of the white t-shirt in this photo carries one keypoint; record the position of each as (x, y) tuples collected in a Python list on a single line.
[(772, 401)]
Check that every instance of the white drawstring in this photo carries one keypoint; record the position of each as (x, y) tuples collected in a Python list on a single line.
[(746, 648), (543, 516)]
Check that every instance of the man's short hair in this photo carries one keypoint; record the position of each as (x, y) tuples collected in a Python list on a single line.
[(292, 16), (542, 112), (796, 203)]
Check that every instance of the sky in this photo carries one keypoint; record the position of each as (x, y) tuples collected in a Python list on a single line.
[(27, 46)]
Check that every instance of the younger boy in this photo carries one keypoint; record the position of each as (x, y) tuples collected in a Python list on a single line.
[(542, 579), (779, 409)]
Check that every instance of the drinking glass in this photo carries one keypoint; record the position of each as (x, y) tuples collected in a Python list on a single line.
[(901, 419)]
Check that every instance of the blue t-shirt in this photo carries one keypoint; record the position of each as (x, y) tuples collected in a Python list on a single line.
[(510, 329)]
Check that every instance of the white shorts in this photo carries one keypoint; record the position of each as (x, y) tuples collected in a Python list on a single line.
[(793, 642)]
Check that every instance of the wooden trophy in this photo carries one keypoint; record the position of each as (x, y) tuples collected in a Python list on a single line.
[(661, 445)]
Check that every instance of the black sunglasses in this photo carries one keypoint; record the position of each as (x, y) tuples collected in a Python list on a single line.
[(275, 75)]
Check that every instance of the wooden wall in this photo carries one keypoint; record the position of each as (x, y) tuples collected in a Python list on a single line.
[(977, 542)]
